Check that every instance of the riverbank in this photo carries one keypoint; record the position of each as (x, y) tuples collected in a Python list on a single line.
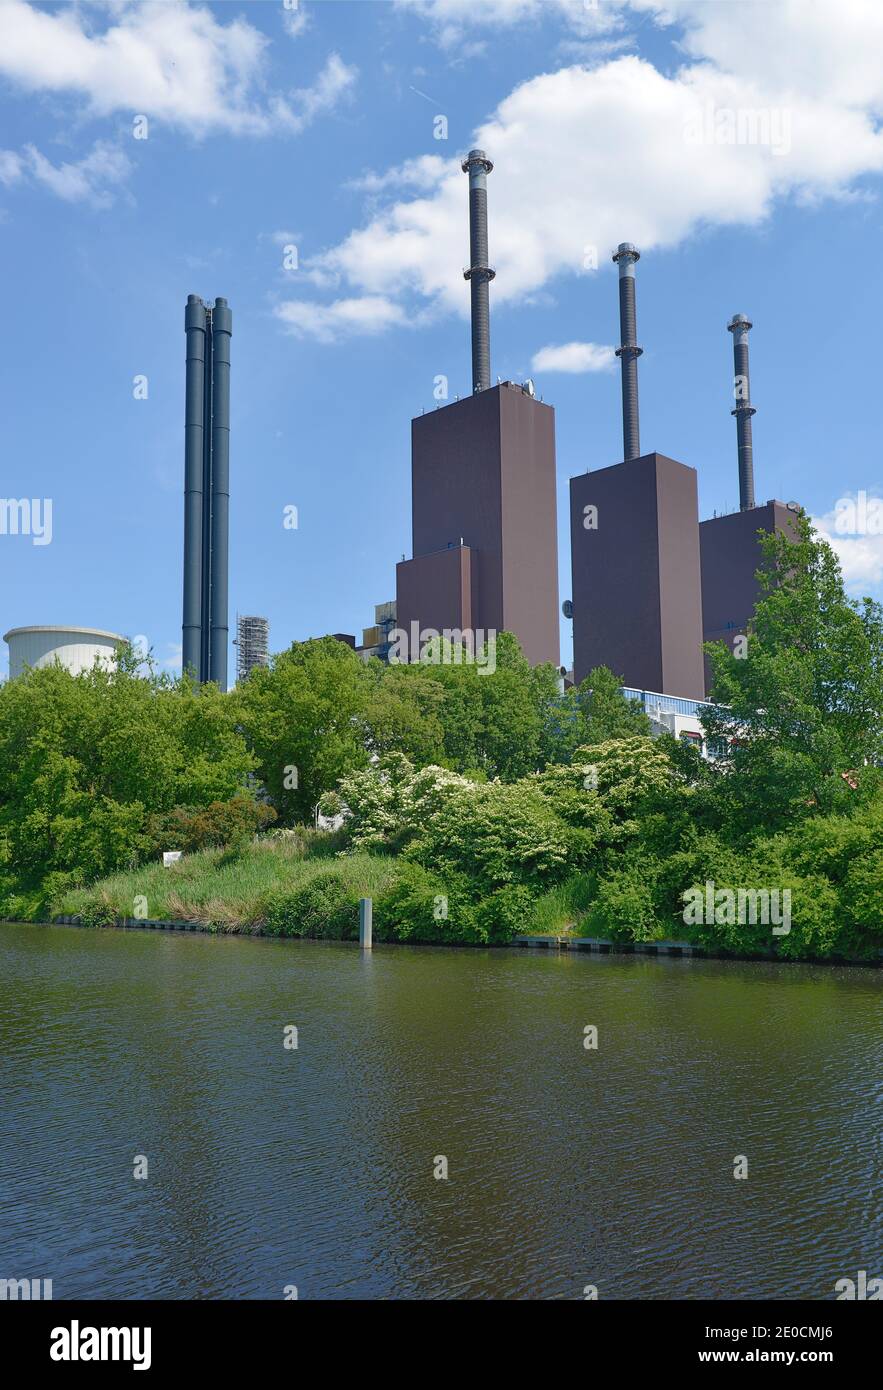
[(562, 942), (303, 884), (299, 883)]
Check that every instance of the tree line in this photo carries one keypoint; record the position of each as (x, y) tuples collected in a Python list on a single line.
[(102, 771)]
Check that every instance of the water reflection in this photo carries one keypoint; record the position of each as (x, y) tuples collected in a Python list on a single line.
[(567, 1167)]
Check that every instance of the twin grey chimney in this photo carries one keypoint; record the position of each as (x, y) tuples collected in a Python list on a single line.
[(739, 326), (479, 274), (626, 258), (206, 489)]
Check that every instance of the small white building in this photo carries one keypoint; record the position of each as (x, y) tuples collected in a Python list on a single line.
[(670, 714), (75, 648)]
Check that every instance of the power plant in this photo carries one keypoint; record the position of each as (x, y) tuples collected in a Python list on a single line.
[(637, 604), (206, 489), (651, 582)]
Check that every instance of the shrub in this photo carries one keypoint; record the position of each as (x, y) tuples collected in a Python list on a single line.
[(625, 906), (330, 805), (100, 912), (832, 845), (498, 833), (862, 902), (814, 927), (227, 823), (420, 905), (373, 802), (325, 906), (504, 914)]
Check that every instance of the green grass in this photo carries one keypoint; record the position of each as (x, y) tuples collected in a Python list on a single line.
[(224, 890), (227, 890), (561, 908)]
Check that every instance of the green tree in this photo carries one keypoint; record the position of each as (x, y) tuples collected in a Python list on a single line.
[(304, 718), (86, 760), (493, 712), (514, 701), (608, 713), (591, 713), (804, 705)]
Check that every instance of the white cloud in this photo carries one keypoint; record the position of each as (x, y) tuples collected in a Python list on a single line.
[(300, 108), (294, 17), (828, 46), (343, 319), (828, 49), (421, 173), (861, 557), (451, 19), (92, 178), (587, 157), (163, 58), (11, 167), (573, 357)]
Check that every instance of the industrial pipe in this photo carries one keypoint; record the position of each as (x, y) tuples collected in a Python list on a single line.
[(740, 326), (626, 257), (479, 274)]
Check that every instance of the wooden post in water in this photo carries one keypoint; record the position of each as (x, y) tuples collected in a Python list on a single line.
[(366, 930)]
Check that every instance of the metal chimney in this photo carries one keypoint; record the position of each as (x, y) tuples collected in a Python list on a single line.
[(222, 330), (206, 582), (479, 274), (206, 489), (626, 257), (739, 326), (194, 407)]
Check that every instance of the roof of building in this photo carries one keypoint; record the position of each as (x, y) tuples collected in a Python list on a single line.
[(86, 632)]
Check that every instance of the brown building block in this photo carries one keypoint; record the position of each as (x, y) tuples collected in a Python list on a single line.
[(436, 590), (637, 604), (731, 557), (483, 482)]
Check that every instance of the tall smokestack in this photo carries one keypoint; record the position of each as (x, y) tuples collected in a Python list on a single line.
[(740, 326), (205, 634), (222, 329), (206, 489), (626, 257), (194, 408), (479, 274)]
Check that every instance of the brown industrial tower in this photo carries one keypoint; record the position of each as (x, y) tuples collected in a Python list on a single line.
[(730, 547), (634, 529), (484, 518)]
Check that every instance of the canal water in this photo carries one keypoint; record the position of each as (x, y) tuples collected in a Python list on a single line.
[(271, 1166)]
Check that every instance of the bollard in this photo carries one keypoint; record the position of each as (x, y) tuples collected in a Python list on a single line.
[(365, 923)]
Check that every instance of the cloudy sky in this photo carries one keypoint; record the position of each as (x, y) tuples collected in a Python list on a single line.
[(303, 161)]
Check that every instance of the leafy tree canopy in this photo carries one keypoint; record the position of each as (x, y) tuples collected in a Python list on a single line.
[(802, 709)]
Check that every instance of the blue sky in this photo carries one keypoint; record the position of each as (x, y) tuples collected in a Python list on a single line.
[(315, 126)]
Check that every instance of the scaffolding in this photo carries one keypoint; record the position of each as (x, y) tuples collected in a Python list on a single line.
[(252, 644)]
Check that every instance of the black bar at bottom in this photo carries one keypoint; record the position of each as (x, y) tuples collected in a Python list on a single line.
[(226, 1337)]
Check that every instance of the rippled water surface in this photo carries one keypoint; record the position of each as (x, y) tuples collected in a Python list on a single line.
[(567, 1167)]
